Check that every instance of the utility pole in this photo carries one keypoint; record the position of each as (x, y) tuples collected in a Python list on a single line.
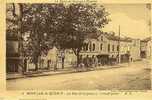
[(119, 45)]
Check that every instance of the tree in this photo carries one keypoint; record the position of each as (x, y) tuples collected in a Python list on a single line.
[(42, 23), (80, 21), (33, 23), (65, 26)]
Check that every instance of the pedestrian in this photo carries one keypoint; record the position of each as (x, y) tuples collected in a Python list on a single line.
[(87, 61), (80, 60), (80, 63), (90, 62), (96, 61), (84, 61), (93, 61), (112, 60), (48, 64)]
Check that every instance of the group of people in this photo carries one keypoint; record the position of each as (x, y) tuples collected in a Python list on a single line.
[(88, 61), (94, 61)]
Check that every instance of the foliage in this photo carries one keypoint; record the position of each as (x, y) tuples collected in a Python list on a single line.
[(65, 26), (81, 20)]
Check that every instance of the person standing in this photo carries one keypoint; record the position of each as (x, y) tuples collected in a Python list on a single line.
[(96, 61), (62, 58), (87, 61), (81, 62), (93, 61)]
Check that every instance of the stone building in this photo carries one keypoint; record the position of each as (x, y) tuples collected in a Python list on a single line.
[(12, 55), (135, 50), (12, 42), (107, 45)]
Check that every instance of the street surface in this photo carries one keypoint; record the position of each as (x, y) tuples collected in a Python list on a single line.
[(135, 76)]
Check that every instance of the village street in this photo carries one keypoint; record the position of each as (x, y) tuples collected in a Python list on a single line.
[(136, 75)]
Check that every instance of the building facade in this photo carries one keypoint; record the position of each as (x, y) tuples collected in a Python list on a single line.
[(108, 45), (12, 55), (12, 42), (145, 48), (135, 50)]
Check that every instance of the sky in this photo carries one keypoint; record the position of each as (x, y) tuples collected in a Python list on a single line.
[(132, 18)]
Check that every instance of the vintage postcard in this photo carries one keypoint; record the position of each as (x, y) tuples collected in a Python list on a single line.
[(75, 48)]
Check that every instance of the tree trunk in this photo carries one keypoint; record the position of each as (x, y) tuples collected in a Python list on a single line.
[(63, 57), (62, 63), (35, 60), (36, 64), (48, 64), (77, 60), (25, 64), (20, 15), (76, 52)]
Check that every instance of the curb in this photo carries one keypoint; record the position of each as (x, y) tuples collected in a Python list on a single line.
[(59, 73)]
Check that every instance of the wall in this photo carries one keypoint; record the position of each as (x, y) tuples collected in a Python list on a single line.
[(135, 50), (149, 49), (12, 47), (115, 44)]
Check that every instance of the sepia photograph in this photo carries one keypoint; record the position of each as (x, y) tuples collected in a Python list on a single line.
[(78, 46)]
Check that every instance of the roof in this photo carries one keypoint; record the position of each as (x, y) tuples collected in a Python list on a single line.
[(146, 39), (109, 35), (94, 35), (112, 36)]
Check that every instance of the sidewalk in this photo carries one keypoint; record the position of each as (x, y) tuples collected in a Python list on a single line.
[(61, 71)]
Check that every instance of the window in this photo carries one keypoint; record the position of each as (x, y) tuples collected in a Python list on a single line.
[(108, 47), (93, 47), (101, 46), (90, 47), (113, 48)]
